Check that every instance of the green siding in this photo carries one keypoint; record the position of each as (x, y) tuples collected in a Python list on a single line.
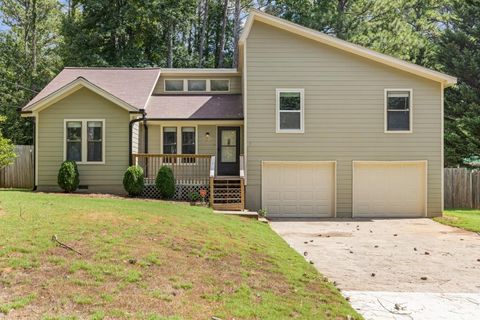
[(344, 112), (83, 104)]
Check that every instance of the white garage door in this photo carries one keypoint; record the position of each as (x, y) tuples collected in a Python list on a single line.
[(389, 189), (298, 189)]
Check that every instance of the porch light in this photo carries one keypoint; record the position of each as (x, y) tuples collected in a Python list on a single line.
[(207, 135)]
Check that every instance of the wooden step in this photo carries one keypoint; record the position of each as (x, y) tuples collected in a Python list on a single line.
[(227, 193)]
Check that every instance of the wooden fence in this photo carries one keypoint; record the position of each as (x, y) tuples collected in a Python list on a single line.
[(462, 188), (20, 173)]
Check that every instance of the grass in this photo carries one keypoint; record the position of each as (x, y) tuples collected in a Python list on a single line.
[(465, 219), (150, 260)]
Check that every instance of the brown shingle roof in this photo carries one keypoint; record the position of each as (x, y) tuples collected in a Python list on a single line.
[(195, 107), (133, 86)]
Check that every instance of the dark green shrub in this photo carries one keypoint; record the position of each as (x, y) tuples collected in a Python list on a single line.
[(133, 180), (165, 182), (68, 177)]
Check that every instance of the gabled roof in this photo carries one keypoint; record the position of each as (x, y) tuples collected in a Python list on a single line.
[(323, 38), (195, 107), (128, 87)]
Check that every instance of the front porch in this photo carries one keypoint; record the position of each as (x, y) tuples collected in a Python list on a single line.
[(193, 172)]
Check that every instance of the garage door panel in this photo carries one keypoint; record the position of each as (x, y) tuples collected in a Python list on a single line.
[(301, 189), (389, 189)]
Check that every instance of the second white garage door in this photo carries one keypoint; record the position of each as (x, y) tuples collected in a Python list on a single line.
[(298, 189), (389, 189)]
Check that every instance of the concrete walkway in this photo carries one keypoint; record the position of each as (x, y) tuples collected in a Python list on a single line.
[(394, 269)]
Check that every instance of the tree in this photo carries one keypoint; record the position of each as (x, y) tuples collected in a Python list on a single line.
[(7, 149), (460, 56)]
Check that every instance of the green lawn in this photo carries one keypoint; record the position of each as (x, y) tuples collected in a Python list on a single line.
[(465, 219), (150, 260)]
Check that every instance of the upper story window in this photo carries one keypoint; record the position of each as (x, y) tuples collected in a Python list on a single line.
[(197, 85), (290, 110), (220, 85), (398, 110), (173, 85), (84, 141)]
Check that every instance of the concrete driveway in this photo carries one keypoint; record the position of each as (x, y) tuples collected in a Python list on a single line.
[(394, 269)]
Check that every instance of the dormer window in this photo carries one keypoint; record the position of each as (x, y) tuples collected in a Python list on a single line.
[(197, 85), (174, 85)]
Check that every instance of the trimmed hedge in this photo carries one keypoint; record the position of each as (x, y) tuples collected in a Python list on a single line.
[(68, 177), (165, 182), (134, 181)]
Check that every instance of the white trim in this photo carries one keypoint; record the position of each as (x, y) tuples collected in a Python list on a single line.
[(301, 162), (278, 91), (342, 45), (442, 152), (425, 214), (84, 140), (72, 87), (385, 111), (201, 71)]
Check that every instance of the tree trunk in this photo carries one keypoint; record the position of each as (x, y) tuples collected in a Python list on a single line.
[(236, 33), (201, 44), (34, 37), (221, 54), (170, 35)]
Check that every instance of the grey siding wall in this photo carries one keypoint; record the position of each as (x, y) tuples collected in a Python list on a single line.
[(83, 104), (235, 83), (344, 112)]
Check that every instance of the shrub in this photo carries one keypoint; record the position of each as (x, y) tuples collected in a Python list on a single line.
[(68, 177), (165, 182), (133, 180)]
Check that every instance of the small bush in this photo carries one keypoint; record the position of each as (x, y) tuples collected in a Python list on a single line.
[(133, 181), (165, 182), (68, 177)]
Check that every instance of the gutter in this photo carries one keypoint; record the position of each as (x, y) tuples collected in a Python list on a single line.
[(130, 134)]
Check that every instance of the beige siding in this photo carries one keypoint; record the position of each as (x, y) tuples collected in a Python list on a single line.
[(235, 83), (154, 138), (344, 112), (83, 104), (207, 145)]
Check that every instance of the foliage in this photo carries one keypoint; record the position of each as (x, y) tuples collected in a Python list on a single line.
[(133, 180), (262, 213), (194, 196), (7, 149), (165, 182), (460, 56), (68, 176), (465, 219)]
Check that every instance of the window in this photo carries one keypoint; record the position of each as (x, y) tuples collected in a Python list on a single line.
[(174, 85), (74, 141), (188, 140), (94, 141), (170, 140), (290, 110), (197, 85), (220, 85), (398, 105), (84, 141)]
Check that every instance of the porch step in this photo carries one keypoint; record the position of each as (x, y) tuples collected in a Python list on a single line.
[(227, 194)]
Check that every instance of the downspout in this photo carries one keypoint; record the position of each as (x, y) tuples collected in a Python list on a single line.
[(130, 135)]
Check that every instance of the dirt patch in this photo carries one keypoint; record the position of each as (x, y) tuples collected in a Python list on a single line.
[(334, 234)]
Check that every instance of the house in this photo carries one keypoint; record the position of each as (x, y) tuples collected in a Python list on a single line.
[(307, 126)]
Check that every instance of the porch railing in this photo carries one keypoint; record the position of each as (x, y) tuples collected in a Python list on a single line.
[(188, 169)]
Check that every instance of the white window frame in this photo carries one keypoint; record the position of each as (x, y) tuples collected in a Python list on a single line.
[(302, 110), (165, 85), (207, 85), (410, 114), (179, 135), (210, 85), (84, 140)]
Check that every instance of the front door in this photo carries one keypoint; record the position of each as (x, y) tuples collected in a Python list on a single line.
[(228, 151)]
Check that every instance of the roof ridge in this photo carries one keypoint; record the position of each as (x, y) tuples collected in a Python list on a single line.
[(113, 68)]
